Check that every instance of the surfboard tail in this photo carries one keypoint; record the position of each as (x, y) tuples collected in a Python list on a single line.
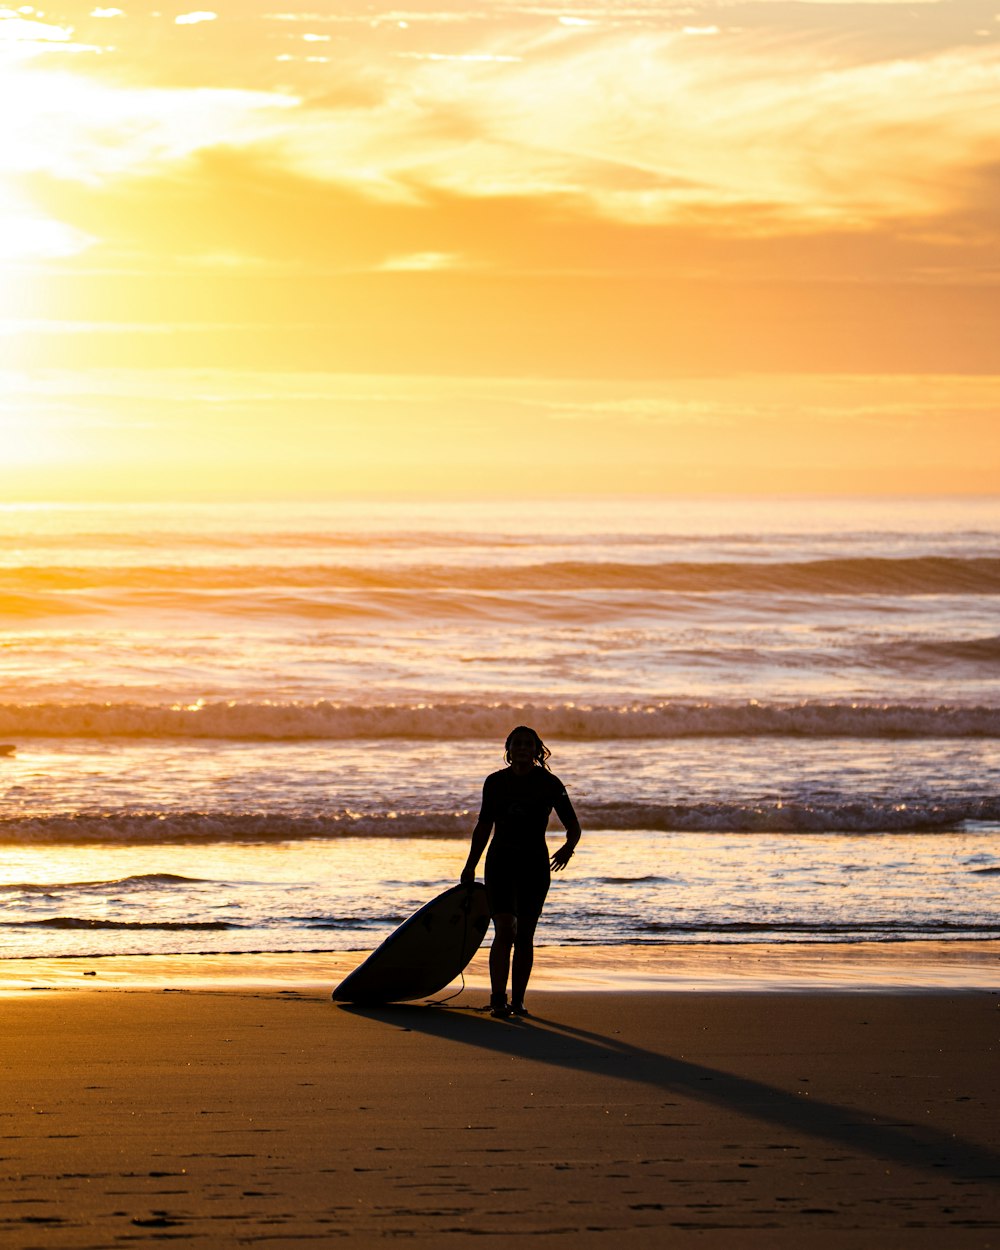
[(424, 954)]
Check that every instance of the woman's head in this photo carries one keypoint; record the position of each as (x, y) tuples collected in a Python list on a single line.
[(524, 746)]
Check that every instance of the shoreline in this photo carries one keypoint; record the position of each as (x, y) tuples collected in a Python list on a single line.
[(793, 967), (751, 1121)]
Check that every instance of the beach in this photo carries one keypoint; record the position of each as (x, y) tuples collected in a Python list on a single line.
[(236, 1117)]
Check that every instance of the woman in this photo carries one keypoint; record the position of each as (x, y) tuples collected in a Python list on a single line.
[(517, 801)]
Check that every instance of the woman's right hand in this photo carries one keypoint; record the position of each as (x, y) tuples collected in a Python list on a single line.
[(468, 877)]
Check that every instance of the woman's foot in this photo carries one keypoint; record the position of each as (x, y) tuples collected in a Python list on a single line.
[(519, 1009), (499, 1007)]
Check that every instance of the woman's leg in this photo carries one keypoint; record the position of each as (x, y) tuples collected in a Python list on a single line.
[(524, 958), (531, 899), (504, 937), (501, 889)]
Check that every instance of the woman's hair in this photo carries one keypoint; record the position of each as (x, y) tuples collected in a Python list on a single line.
[(541, 752)]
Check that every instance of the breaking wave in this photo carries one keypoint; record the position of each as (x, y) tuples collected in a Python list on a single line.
[(451, 720), (141, 881), (747, 816), (945, 652), (916, 575), (86, 922), (797, 931)]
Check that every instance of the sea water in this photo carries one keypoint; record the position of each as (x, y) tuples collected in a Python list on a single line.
[(265, 727)]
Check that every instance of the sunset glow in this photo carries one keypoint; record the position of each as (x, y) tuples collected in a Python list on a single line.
[(255, 252)]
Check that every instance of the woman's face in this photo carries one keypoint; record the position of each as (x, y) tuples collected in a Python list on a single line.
[(522, 749)]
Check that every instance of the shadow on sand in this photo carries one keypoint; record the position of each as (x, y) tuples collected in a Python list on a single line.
[(552, 1042)]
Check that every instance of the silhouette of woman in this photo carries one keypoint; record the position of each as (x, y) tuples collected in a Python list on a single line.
[(517, 801)]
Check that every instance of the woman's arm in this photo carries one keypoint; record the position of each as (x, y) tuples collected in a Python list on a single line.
[(565, 812), (480, 836), (565, 853)]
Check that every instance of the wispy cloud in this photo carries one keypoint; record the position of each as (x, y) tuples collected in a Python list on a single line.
[(17, 29), (314, 431), (640, 188), (85, 130), (818, 124), (420, 262), (193, 19)]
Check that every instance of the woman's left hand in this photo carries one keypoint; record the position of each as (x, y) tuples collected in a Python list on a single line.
[(561, 858)]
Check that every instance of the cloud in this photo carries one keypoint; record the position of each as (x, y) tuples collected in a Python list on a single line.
[(326, 433), (184, 215), (746, 396), (15, 29), (193, 19), (655, 128), (79, 128), (608, 198), (420, 262), (760, 131), (24, 236), (483, 58), (900, 402), (369, 18)]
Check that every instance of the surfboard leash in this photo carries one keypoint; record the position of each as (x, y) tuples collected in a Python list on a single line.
[(440, 1002)]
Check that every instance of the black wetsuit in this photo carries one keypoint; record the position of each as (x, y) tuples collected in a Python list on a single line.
[(517, 805)]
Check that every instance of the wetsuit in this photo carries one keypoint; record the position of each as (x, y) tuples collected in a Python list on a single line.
[(517, 805)]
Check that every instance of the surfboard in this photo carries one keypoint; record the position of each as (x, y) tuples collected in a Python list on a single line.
[(427, 951)]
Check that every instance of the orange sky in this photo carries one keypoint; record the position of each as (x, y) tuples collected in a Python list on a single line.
[(499, 248)]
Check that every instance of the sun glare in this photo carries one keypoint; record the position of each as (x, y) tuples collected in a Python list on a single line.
[(26, 232), (24, 442), (24, 236)]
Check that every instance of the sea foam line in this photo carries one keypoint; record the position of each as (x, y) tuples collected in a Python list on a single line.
[(93, 923), (750, 816), (463, 720)]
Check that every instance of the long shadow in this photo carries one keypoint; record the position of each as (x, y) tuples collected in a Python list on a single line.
[(552, 1042)]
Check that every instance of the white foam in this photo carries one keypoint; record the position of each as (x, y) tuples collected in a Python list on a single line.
[(846, 816), (457, 720)]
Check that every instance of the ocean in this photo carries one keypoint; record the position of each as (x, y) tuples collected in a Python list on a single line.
[(235, 728)]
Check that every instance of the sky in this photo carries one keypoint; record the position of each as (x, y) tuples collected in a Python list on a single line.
[(499, 249)]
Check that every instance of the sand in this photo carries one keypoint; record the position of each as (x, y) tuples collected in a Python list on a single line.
[(750, 966), (240, 1117)]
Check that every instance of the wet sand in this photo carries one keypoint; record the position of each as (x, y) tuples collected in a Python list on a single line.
[(260, 1116), (739, 967)]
